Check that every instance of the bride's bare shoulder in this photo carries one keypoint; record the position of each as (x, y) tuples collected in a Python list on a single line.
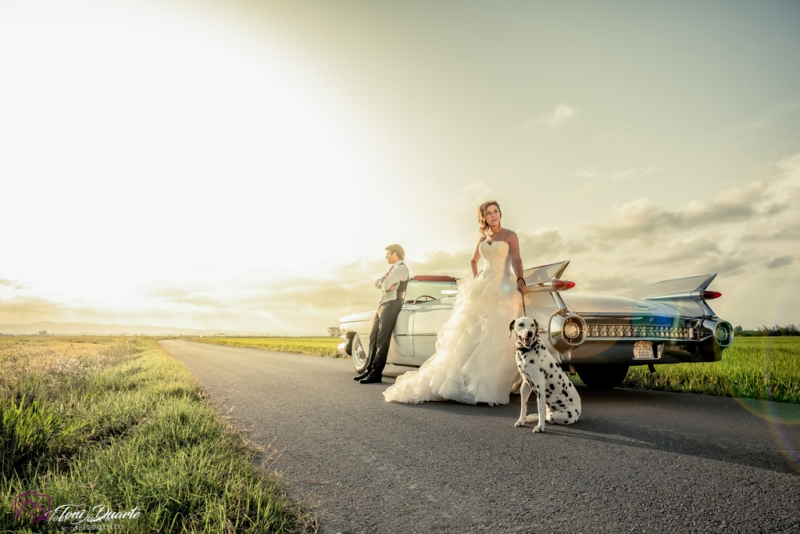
[(509, 235)]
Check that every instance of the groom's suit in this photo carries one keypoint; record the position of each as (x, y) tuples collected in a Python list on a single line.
[(393, 284)]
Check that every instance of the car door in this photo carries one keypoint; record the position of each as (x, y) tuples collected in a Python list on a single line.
[(428, 319), (401, 349)]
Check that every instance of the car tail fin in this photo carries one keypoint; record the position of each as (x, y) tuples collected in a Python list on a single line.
[(545, 273), (676, 288)]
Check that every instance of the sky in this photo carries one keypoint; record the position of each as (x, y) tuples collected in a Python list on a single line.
[(241, 165)]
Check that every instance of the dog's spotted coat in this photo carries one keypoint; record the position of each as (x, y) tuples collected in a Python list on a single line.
[(540, 373)]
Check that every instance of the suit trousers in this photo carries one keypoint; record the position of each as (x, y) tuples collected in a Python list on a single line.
[(381, 336)]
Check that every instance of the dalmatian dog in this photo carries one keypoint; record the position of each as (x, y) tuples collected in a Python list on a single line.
[(559, 402)]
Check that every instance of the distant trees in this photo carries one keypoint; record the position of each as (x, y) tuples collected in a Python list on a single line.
[(764, 331)]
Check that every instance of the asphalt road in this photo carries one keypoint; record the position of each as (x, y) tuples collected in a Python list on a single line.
[(636, 461)]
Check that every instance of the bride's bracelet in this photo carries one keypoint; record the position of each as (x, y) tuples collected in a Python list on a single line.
[(523, 280)]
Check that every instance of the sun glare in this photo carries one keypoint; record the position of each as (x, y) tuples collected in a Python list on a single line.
[(144, 144)]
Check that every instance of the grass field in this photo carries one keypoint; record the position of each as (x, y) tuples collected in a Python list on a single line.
[(116, 422), (754, 367), (318, 346)]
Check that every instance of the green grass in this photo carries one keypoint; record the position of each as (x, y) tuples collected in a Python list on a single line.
[(753, 367), (117, 422), (318, 346)]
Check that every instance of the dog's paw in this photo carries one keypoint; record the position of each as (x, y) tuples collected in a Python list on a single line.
[(538, 429), (520, 422), (532, 418)]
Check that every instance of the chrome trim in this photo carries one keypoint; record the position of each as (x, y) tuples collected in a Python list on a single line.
[(559, 301), (528, 272), (556, 330), (696, 295), (643, 332), (715, 325)]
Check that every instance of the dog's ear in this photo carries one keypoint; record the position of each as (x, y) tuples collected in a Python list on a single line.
[(511, 327)]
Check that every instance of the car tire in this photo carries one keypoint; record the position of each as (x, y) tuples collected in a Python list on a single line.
[(359, 354), (598, 376)]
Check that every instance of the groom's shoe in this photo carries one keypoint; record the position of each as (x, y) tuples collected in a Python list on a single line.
[(371, 379), (365, 374)]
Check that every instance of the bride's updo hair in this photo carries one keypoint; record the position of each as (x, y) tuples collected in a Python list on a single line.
[(484, 227)]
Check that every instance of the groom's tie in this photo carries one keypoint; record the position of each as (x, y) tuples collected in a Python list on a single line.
[(385, 276)]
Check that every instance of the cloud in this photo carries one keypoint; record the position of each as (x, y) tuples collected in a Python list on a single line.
[(782, 222), (448, 262), (790, 167), (742, 230), (779, 261), (20, 310), (777, 232), (547, 245), (10, 283), (540, 247), (609, 283), (320, 301), (274, 304), (561, 114), (643, 216)]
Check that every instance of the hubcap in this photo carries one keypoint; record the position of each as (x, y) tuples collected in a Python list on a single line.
[(359, 356)]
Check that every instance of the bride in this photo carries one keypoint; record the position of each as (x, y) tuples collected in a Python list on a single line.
[(474, 359)]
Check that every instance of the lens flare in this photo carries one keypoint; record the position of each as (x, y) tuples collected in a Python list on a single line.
[(772, 296)]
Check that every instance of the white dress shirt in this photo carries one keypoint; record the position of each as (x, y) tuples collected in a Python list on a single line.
[(398, 273)]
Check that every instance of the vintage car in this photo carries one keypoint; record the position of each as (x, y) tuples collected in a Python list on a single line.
[(597, 337)]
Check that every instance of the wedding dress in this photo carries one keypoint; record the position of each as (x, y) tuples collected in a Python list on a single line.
[(474, 359)]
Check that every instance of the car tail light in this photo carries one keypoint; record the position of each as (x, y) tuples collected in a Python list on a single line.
[(572, 330), (563, 285), (722, 333), (710, 295)]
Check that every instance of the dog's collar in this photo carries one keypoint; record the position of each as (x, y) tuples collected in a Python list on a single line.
[(522, 348)]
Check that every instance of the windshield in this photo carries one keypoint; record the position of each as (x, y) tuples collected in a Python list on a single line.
[(416, 289)]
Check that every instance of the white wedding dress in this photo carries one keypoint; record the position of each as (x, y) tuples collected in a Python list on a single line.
[(474, 359)]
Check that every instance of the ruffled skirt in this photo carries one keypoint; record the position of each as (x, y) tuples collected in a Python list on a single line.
[(474, 359)]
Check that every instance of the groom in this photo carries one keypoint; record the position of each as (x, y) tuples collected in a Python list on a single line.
[(393, 284)]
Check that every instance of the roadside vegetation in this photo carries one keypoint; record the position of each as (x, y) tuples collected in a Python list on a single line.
[(763, 331), (317, 346), (753, 367), (116, 422)]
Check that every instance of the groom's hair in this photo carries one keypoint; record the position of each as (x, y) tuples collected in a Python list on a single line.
[(397, 249)]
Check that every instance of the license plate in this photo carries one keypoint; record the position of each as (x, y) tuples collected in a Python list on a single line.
[(643, 350)]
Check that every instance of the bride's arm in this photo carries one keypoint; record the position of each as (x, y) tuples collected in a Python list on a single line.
[(473, 263), (516, 262)]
